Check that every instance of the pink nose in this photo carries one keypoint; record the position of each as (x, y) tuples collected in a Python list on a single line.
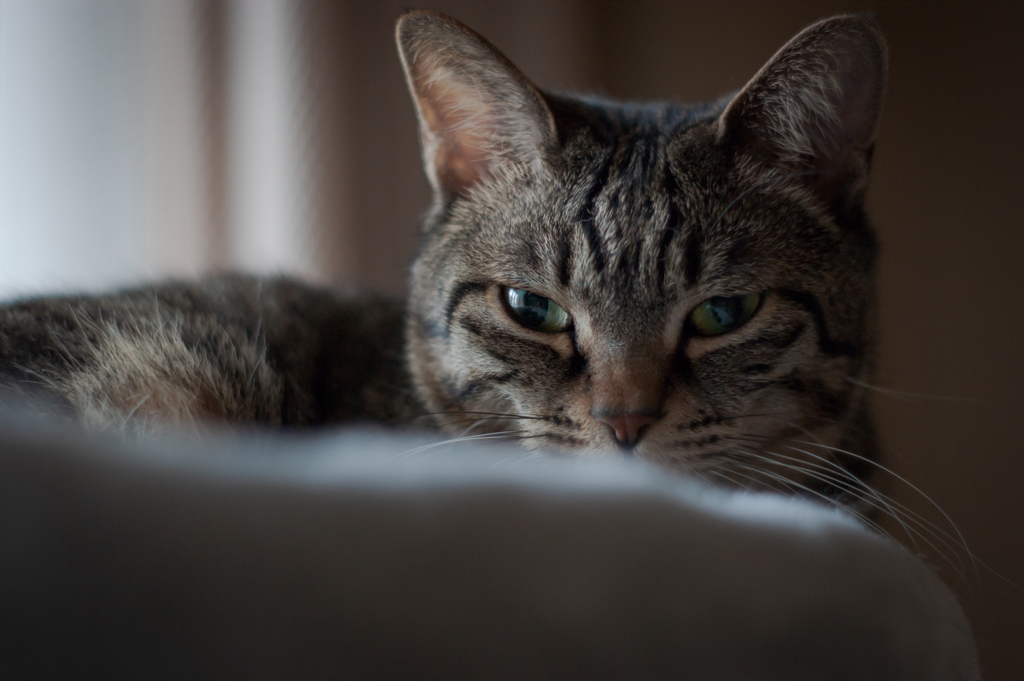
[(628, 427)]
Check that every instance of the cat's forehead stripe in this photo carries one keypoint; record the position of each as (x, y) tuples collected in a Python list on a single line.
[(587, 216), (672, 225), (639, 217)]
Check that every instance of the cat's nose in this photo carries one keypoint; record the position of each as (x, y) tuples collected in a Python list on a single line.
[(628, 427)]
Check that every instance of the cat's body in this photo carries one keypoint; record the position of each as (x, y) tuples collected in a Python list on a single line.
[(690, 284), (242, 350)]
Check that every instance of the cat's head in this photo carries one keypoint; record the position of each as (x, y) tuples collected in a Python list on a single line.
[(690, 284)]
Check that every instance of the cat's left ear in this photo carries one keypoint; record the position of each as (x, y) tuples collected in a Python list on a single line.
[(477, 112), (814, 107)]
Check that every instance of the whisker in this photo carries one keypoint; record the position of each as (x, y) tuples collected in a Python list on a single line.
[(903, 515), (787, 419), (897, 509), (502, 435), (904, 394), (909, 484), (848, 481), (881, 505), (790, 483), (486, 413), (474, 420), (894, 508), (858, 486), (959, 539), (466, 431), (731, 481)]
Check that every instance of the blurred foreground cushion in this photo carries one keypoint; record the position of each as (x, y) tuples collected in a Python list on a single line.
[(362, 555)]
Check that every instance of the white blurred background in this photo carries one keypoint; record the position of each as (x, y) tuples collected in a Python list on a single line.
[(149, 139)]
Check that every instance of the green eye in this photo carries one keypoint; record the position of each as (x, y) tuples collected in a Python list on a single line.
[(537, 312), (723, 314)]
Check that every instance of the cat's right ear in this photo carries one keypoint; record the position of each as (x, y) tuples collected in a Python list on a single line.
[(478, 114), (813, 109)]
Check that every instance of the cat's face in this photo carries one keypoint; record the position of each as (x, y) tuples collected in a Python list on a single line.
[(692, 285)]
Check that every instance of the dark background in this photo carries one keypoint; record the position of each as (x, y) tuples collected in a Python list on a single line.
[(947, 196)]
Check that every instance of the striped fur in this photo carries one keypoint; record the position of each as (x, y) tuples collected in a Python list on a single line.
[(629, 217), (190, 355)]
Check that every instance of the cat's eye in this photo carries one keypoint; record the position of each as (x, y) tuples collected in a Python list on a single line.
[(723, 314), (537, 312)]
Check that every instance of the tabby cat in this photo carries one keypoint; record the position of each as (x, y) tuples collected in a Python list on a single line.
[(693, 285)]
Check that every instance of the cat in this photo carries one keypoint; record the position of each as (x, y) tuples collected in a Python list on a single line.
[(689, 284)]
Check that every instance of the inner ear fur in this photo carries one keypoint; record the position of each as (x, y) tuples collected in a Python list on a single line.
[(814, 107), (476, 111)]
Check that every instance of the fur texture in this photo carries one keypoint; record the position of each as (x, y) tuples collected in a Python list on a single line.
[(242, 350), (628, 216)]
